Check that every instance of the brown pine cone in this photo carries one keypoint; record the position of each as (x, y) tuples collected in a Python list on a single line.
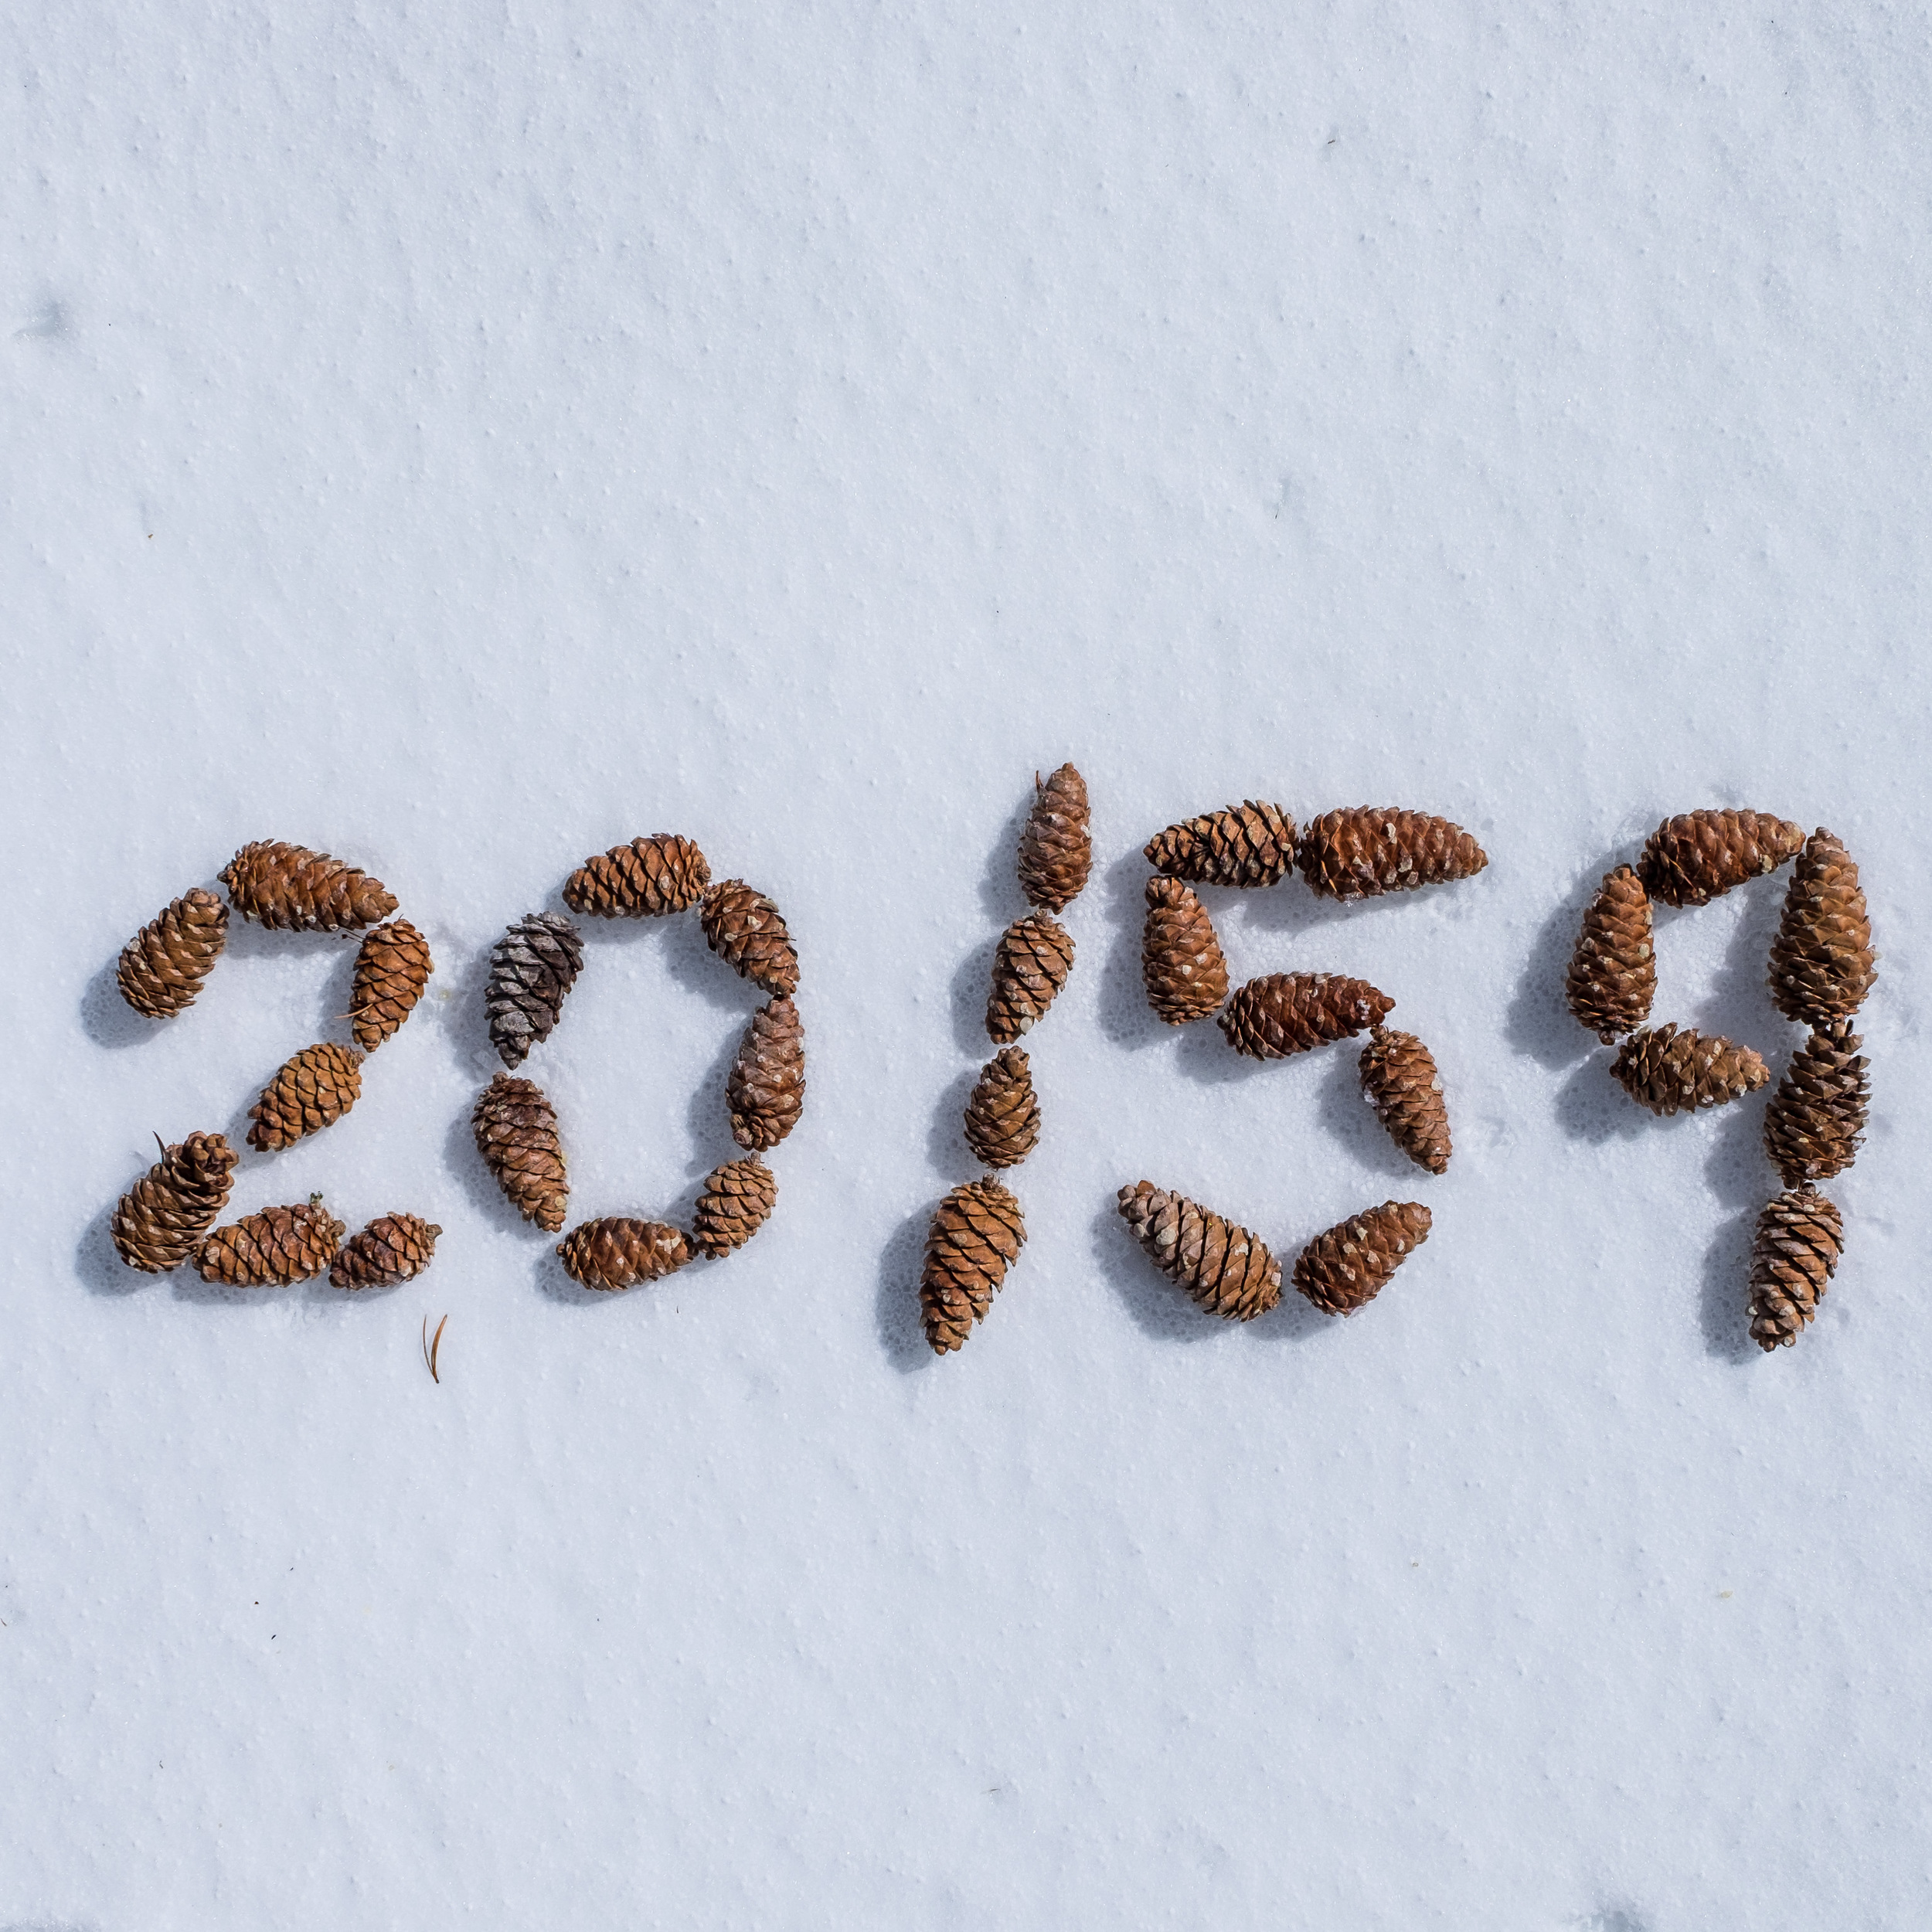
[(392, 1249), (160, 1220), (1612, 972), (1698, 855), (1245, 844), (1035, 954), (310, 1092), (1399, 1081), (1181, 963), (765, 1091), (1800, 1238), (1283, 1013), (1057, 848), (162, 966), (620, 1253), (531, 968), (1350, 1265), (392, 965), (1671, 1069), (516, 1134), (289, 887), (976, 1235), (1226, 1269), (747, 932), (1822, 964), (1002, 1118), (1372, 849), (273, 1248), (737, 1201), (1816, 1119), (664, 873)]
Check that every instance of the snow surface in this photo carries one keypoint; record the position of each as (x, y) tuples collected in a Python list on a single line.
[(463, 439)]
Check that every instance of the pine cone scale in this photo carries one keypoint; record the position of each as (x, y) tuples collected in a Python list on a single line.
[(289, 887), (1822, 964), (1369, 850), (160, 1221), (1181, 963), (162, 966), (271, 1250), (311, 1091), (749, 934), (533, 968), (1030, 966), (1799, 1239), (1671, 1070), (1697, 856), (736, 1201), (663, 873), (1056, 848), (1220, 1265), (392, 966), (392, 1249), (1613, 973), (1816, 1119), (1349, 1266), (1400, 1080), (621, 1252), (1249, 844), (976, 1235), (1282, 1014), (515, 1128), (765, 1091)]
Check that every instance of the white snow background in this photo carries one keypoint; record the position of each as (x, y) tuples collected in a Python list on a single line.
[(463, 439)]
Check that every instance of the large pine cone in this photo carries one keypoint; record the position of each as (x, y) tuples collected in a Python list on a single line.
[(392, 966), (748, 932), (765, 1091), (393, 1248), (531, 968), (1800, 1238), (1002, 1118), (1372, 849), (620, 1253), (162, 966), (1182, 963), (1034, 956), (1245, 844), (1283, 1013), (1350, 1265), (273, 1248), (1057, 848), (516, 1134), (310, 1092), (1674, 1070), (664, 873), (1822, 964), (1612, 972), (976, 1235), (289, 887), (1693, 858), (736, 1201), (160, 1220), (1226, 1269), (1399, 1081), (1816, 1119)]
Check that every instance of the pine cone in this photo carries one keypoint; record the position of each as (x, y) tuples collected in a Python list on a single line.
[(1349, 1265), (737, 1201), (160, 1220), (515, 1128), (1182, 963), (663, 873), (1035, 954), (1800, 1238), (1283, 1013), (1694, 857), (1246, 845), (1399, 1081), (392, 1249), (1612, 972), (310, 1092), (392, 965), (162, 966), (1816, 1119), (531, 968), (1056, 848), (747, 932), (1376, 849), (765, 1091), (1002, 1118), (1822, 961), (1674, 1070), (273, 1248), (976, 1235), (620, 1253), (1226, 1269), (289, 887)]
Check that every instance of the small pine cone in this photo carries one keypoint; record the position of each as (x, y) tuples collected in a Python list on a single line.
[(310, 1092), (392, 1250), (1694, 857), (1399, 1081), (1349, 1265), (1612, 972), (162, 966), (663, 873), (1057, 848), (1036, 955), (1002, 1118), (1226, 1269), (1283, 1013), (1674, 1070), (1822, 964), (765, 1091), (1182, 963), (976, 1235), (516, 1129), (273, 1248), (392, 965), (290, 887), (1800, 1238), (531, 968), (1375, 848), (737, 1201), (1816, 1119), (1246, 845), (747, 932), (160, 1220), (620, 1253)]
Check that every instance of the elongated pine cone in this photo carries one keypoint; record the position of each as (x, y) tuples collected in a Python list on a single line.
[(1372, 849), (1695, 857), (392, 966), (1034, 956), (1822, 964), (273, 1248), (620, 1253), (1245, 844), (531, 968), (516, 1134), (747, 932), (1350, 1265), (1181, 963), (162, 966), (663, 873), (1612, 972), (1002, 1116), (1816, 1119), (393, 1248), (289, 887), (1228, 1270), (765, 1091), (159, 1222), (1399, 1081), (1800, 1238), (736, 1201), (976, 1235), (1673, 1069), (1283, 1013), (309, 1092), (1056, 848)]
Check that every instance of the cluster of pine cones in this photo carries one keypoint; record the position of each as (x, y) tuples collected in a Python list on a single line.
[(1822, 966)]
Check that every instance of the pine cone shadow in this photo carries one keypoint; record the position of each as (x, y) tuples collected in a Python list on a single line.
[(1723, 1301), (1289, 907), (186, 1285), (107, 1020), (1126, 1018), (554, 1285), (1740, 1006), (901, 1335), (1348, 1117), (1155, 1305), (694, 965), (1591, 1107), (707, 1119), (971, 985), (100, 1267), (465, 1017), (1205, 1057), (946, 1148), (464, 1165), (999, 893), (1538, 1021)]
